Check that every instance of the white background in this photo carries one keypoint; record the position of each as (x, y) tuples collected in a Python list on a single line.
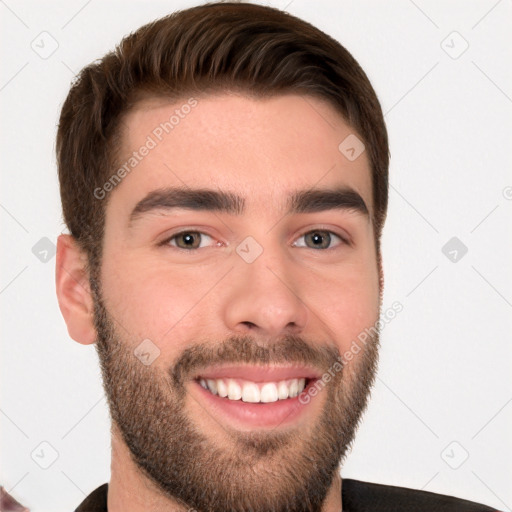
[(443, 390)]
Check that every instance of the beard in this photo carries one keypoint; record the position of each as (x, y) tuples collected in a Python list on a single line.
[(279, 470)]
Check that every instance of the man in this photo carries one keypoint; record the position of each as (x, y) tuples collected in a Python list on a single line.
[(224, 178)]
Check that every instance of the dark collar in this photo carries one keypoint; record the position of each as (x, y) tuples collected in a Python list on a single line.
[(357, 496)]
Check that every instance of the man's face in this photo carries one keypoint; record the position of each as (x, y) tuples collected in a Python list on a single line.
[(255, 294)]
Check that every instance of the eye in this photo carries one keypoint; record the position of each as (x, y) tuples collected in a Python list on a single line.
[(319, 239), (188, 240)]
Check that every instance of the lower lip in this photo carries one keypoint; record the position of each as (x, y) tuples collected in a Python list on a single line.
[(246, 414)]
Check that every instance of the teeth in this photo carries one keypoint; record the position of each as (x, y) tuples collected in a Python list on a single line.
[(222, 389), (234, 390), (282, 390), (253, 392), (269, 393), (211, 384), (294, 388)]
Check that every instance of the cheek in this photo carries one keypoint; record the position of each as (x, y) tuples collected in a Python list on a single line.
[(152, 303), (345, 304)]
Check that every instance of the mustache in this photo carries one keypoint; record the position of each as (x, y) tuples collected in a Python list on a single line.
[(289, 349)]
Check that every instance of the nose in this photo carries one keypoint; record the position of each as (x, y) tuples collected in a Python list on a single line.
[(264, 299)]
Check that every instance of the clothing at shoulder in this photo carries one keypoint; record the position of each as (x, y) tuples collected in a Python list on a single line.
[(357, 496), (96, 501), (360, 496)]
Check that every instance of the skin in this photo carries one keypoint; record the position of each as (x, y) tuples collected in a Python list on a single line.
[(262, 150)]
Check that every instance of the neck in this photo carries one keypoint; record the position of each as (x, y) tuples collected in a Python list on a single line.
[(131, 491)]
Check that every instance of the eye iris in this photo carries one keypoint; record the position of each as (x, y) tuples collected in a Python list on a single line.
[(188, 240), (319, 239)]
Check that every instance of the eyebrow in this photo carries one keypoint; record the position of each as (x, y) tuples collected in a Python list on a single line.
[(201, 199)]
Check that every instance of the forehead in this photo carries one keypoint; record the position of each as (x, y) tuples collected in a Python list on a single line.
[(260, 148)]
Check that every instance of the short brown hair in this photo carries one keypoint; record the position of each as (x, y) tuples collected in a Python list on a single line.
[(258, 50)]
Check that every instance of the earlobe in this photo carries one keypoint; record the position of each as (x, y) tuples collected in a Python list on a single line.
[(73, 290)]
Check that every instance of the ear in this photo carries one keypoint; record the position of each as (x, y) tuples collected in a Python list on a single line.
[(73, 290)]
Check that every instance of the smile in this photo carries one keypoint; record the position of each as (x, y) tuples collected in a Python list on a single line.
[(254, 392), (247, 397)]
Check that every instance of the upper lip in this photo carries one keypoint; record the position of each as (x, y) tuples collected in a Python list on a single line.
[(259, 373)]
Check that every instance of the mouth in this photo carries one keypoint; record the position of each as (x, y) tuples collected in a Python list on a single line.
[(249, 397), (255, 392)]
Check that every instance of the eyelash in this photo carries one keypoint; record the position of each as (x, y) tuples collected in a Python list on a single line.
[(166, 242)]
